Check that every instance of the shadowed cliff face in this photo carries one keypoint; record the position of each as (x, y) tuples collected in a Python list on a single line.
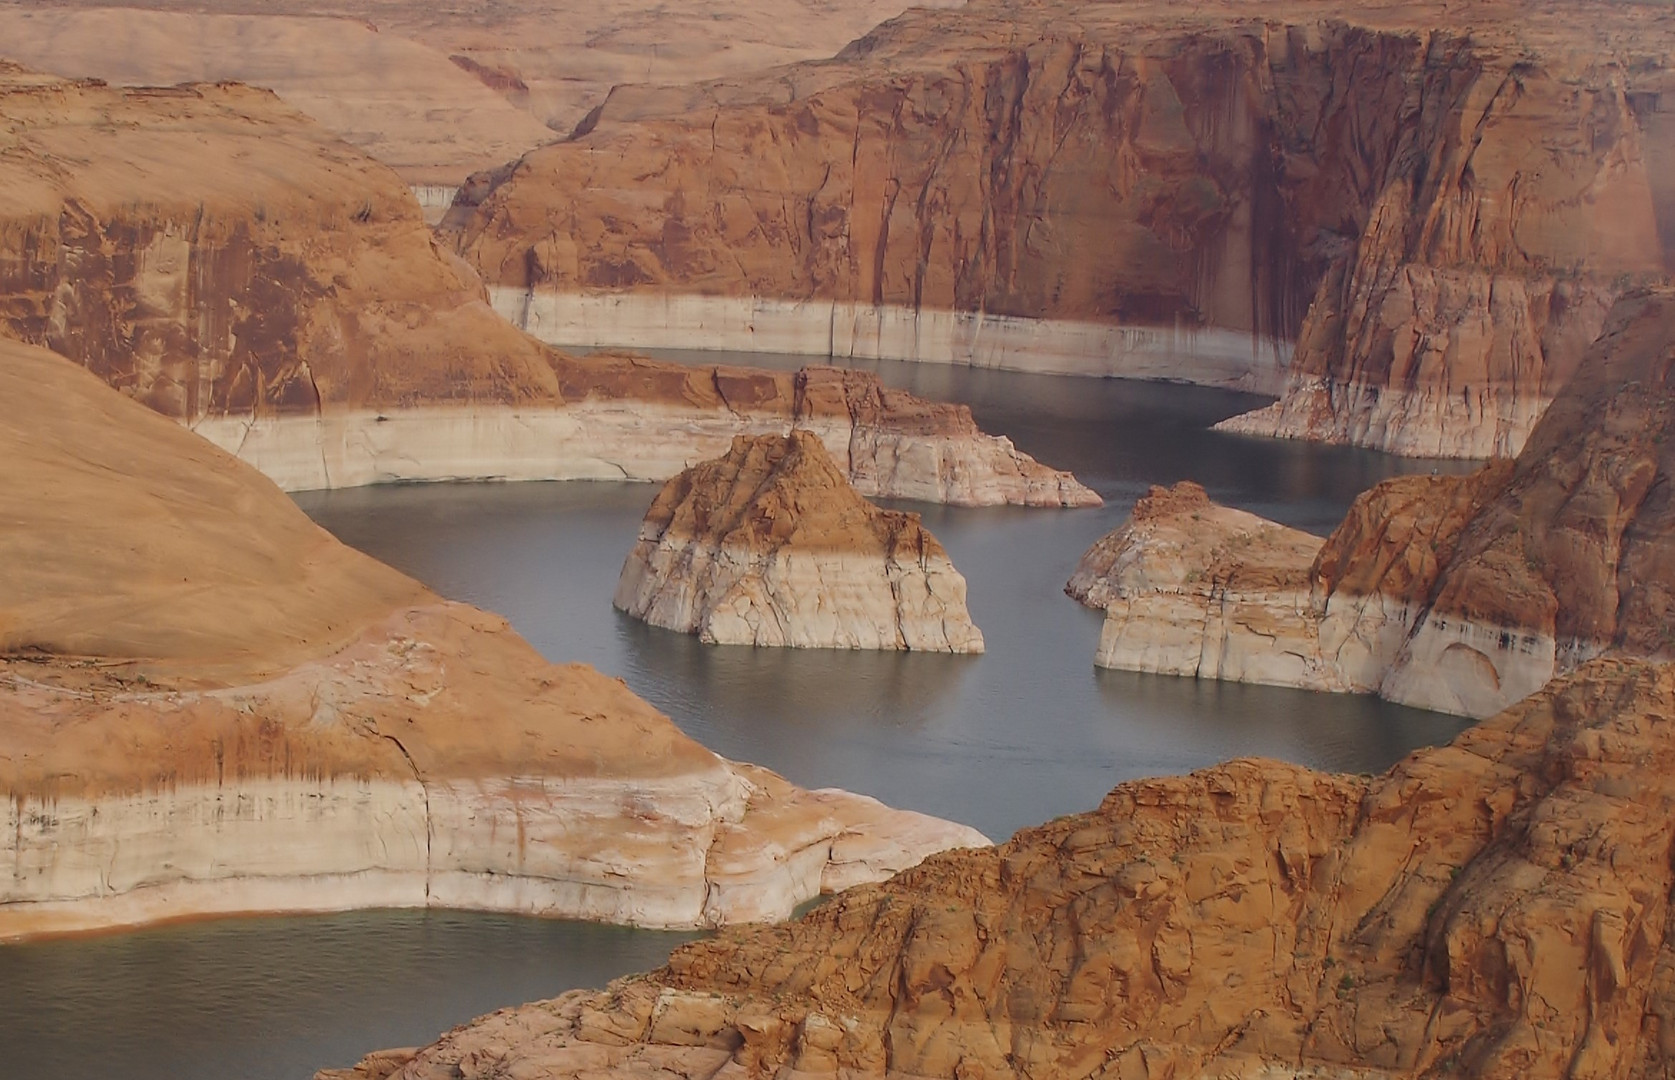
[(1493, 908), (1438, 219)]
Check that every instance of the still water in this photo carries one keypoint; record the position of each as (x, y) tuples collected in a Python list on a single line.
[(1028, 731), (1025, 732), (277, 998)]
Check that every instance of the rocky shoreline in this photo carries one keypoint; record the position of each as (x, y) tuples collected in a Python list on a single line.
[(1496, 907), (1460, 594), (296, 311), (208, 705), (1206, 356)]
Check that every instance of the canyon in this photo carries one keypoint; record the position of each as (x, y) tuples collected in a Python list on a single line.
[(211, 706), (1423, 232), (212, 253), (1462, 594), (1414, 258), (771, 545), (1496, 907)]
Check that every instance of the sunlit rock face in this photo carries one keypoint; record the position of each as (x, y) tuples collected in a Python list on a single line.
[(1415, 256), (1462, 594), (771, 545), (1255, 919)]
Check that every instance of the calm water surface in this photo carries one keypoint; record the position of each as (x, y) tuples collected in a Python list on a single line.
[(1026, 732), (277, 998)]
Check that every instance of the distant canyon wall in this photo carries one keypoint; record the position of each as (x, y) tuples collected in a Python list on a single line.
[(1412, 234), (216, 256)]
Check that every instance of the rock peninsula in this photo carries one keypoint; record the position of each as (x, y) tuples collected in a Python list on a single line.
[(208, 705), (1136, 189), (770, 544), (1493, 908), (1462, 594), (211, 252)]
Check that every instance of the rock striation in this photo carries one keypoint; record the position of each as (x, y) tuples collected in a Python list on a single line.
[(1416, 258), (1493, 908), (209, 705), (211, 253), (1462, 594), (771, 545)]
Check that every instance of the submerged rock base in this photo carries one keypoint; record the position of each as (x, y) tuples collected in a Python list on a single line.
[(771, 545)]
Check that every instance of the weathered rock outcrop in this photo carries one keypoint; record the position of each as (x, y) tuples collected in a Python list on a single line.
[(1494, 908), (207, 704), (1462, 594), (1193, 588), (1136, 189), (213, 254), (771, 545)]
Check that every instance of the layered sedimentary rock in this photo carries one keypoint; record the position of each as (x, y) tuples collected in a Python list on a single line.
[(1462, 594), (771, 545), (211, 253), (209, 705), (1193, 588), (1494, 908), (1136, 189)]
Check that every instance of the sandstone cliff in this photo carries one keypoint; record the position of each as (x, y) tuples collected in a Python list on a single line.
[(211, 253), (1493, 908), (1436, 220), (207, 704), (1193, 588), (1462, 594), (771, 545)]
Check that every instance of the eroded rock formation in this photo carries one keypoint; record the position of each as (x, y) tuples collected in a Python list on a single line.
[(213, 254), (771, 545), (1494, 908), (207, 704), (1462, 594), (1193, 588), (1136, 189)]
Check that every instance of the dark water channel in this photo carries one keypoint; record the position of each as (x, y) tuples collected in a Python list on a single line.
[(1028, 731)]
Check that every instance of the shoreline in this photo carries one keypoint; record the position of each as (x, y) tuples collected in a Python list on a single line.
[(1230, 359), (621, 440)]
